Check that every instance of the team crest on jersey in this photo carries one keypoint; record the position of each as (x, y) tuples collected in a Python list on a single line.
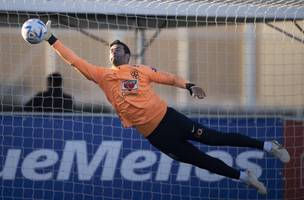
[(129, 85), (135, 74)]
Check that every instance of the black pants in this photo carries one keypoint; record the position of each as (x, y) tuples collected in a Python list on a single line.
[(172, 135)]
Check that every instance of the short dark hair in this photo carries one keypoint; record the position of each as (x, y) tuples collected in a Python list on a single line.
[(126, 48)]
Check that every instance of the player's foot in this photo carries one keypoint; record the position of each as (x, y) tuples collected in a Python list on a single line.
[(253, 181), (279, 151)]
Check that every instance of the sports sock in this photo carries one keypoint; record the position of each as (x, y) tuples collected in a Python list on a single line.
[(267, 146), (243, 176)]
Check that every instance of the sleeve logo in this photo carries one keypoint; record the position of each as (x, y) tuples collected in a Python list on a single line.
[(153, 69)]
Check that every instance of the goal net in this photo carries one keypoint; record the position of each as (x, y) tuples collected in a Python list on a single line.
[(247, 55)]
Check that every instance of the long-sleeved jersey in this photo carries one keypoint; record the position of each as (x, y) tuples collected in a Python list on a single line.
[(128, 88)]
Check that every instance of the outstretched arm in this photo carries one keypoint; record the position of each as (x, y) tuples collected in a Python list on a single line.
[(177, 81), (87, 69), (167, 78)]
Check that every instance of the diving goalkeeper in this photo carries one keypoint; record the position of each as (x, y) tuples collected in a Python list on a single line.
[(128, 88)]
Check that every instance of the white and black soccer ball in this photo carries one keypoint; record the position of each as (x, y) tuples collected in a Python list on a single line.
[(33, 31)]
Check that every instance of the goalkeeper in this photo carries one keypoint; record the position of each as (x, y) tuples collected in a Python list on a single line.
[(128, 88)]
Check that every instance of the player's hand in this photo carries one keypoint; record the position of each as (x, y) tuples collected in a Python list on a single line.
[(48, 33), (198, 92), (195, 91)]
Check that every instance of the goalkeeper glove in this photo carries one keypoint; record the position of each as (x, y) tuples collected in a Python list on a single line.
[(195, 91), (49, 35)]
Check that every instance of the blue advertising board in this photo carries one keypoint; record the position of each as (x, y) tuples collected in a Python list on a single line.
[(93, 157)]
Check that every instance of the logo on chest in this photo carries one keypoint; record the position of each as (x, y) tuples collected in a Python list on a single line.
[(129, 85)]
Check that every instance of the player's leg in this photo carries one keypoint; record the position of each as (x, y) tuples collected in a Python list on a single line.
[(182, 150), (213, 137), (169, 138), (186, 152), (197, 132)]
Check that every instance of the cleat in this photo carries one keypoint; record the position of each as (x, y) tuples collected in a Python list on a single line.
[(254, 182), (279, 151)]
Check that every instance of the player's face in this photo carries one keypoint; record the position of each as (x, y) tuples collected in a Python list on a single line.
[(118, 55)]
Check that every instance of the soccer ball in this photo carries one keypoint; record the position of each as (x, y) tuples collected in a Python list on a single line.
[(33, 31)]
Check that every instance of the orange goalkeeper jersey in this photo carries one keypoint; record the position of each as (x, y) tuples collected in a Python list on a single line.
[(128, 88)]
